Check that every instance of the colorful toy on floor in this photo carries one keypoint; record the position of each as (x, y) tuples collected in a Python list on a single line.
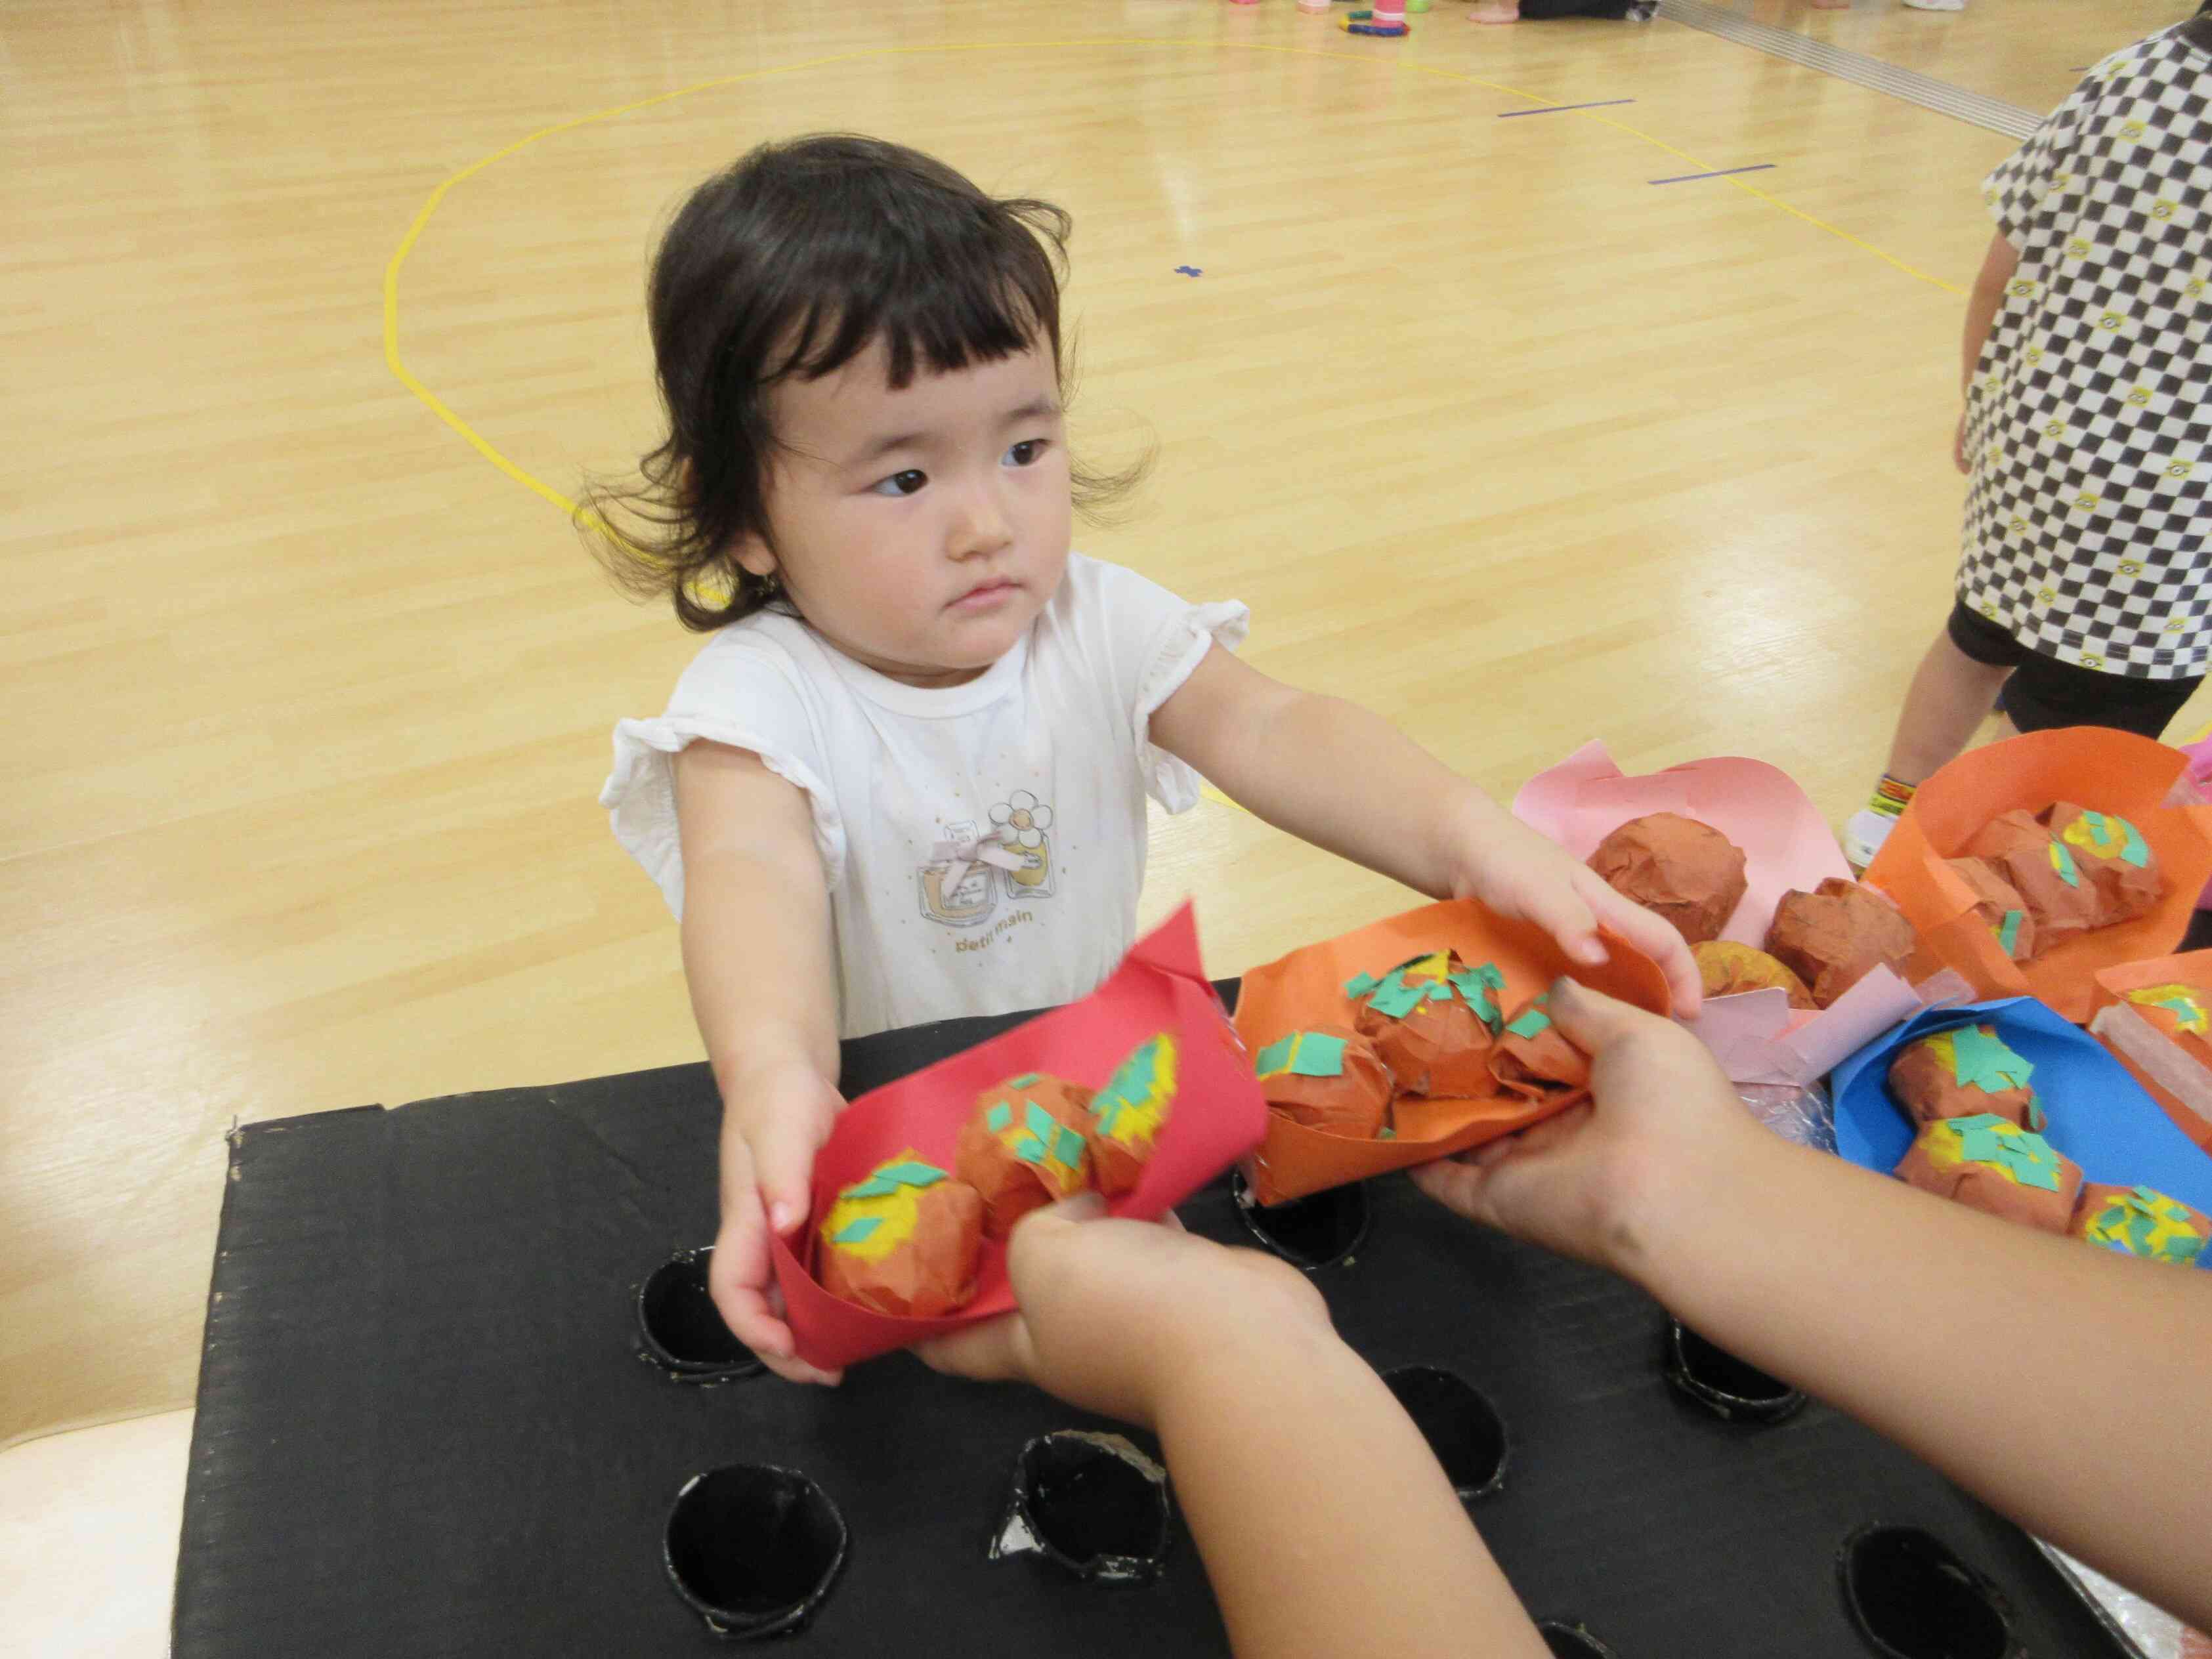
[(1382, 20)]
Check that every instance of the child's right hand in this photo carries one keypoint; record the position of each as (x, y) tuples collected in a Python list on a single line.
[(773, 1123), (1114, 1316), (1609, 1181)]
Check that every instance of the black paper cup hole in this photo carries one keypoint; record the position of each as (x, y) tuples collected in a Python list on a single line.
[(1461, 1425), (1912, 1598), (1093, 1504), (681, 1328), (1572, 1642), (1721, 1383), (754, 1549), (1313, 1232)]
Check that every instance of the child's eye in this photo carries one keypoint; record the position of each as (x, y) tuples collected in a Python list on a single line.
[(903, 484), (1026, 453)]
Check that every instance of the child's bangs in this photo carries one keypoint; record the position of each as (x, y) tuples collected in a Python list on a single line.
[(937, 315)]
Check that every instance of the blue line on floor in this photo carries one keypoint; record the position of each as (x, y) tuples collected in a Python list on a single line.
[(1684, 177), (1553, 109)]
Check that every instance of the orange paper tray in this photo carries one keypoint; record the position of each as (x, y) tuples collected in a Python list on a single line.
[(2107, 771), (2112, 984), (1306, 988)]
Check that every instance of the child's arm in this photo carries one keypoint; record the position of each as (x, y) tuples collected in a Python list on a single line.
[(1363, 789), (757, 955), (1998, 265), (1902, 1308), (1324, 1522)]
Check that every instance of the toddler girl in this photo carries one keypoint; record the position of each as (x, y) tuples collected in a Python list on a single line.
[(905, 778)]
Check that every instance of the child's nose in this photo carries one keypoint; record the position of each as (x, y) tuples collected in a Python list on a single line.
[(983, 525)]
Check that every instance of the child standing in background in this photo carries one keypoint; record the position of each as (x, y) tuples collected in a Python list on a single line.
[(905, 779), (2088, 428)]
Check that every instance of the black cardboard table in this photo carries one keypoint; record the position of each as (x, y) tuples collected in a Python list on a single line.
[(424, 1427)]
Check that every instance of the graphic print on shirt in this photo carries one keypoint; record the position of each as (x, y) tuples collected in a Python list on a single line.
[(958, 885), (1021, 820), (968, 870)]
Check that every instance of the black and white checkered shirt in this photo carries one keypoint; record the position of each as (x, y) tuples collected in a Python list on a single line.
[(2089, 419)]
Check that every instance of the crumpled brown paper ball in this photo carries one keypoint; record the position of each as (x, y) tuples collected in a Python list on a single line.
[(928, 1268), (1025, 1146), (2038, 869), (1532, 1059), (1726, 966), (1355, 1102), (1997, 903), (1932, 1166), (2106, 848), (1925, 1078), (1836, 935), (1687, 872), (1440, 1047)]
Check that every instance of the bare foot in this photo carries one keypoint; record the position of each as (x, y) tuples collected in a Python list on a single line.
[(1508, 13)]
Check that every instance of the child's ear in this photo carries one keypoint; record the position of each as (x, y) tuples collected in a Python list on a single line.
[(754, 556)]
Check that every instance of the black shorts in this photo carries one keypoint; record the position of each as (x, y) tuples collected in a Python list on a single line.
[(2044, 692)]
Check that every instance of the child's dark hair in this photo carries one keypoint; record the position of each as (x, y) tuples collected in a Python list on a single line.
[(791, 262)]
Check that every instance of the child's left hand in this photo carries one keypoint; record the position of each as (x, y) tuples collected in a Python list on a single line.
[(1518, 873)]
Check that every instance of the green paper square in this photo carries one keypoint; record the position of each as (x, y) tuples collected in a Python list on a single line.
[(1983, 1062), (2136, 850), (1396, 997), (1039, 1122), (1067, 1148), (1533, 1022), (857, 1231), (2008, 931), (1026, 1080), (1318, 1056), (998, 1117), (1360, 984), (1029, 1149)]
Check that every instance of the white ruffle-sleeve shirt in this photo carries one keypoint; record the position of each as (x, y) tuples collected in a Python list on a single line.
[(983, 844)]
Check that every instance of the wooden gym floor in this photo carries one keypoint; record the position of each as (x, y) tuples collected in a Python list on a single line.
[(308, 701)]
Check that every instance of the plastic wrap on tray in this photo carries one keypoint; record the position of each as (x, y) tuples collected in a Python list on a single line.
[(1798, 1112), (2155, 1634)]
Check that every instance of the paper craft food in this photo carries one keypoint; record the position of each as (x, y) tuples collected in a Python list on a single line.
[(1965, 1072), (1532, 1059), (1725, 968), (1685, 871), (1832, 938), (1025, 1146), (1999, 905), (2113, 854), (2061, 901), (903, 1241), (1431, 1019), (1127, 1114), (1997, 1167), (2136, 1221), (2179, 1011), (1329, 1079)]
